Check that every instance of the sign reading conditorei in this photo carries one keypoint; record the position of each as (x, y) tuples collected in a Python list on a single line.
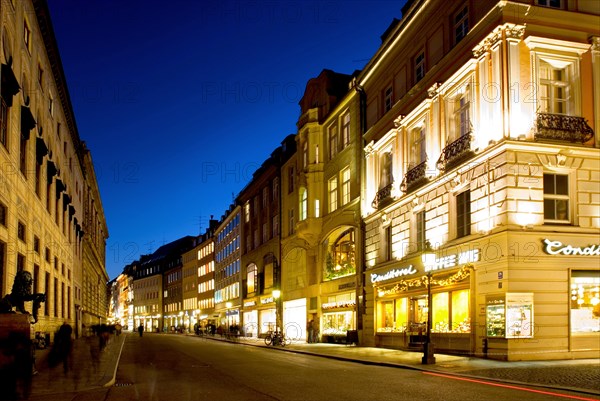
[(558, 248)]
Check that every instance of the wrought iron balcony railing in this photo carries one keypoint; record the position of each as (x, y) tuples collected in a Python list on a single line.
[(558, 127), (384, 196), (414, 178), (456, 152)]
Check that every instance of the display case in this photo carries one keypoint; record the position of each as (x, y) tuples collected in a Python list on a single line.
[(495, 319), (519, 315)]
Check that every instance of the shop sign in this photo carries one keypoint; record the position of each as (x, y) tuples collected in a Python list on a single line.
[(557, 248), (446, 262), (346, 286), (391, 274), (231, 312), (248, 304), (340, 304), (266, 300)]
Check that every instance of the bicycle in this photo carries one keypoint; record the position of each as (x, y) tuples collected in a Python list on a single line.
[(276, 338)]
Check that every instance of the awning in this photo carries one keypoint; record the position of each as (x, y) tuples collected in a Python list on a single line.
[(50, 171), (27, 121), (41, 149), (10, 85)]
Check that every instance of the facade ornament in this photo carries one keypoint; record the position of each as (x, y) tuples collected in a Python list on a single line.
[(433, 91), (514, 31), (369, 149), (398, 121), (595, 42)]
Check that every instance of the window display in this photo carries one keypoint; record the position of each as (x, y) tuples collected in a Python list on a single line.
[(519, 315), (495, 318), (585, 302)]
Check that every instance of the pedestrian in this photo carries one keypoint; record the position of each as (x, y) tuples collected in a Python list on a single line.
[(310, 329), (141, 329), (61, 351), (118, 329)]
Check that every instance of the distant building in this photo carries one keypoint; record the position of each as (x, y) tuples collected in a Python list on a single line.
[(228, 278), (51, 219)]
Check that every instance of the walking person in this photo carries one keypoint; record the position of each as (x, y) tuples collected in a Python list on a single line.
[(141, 329), (61, 352)]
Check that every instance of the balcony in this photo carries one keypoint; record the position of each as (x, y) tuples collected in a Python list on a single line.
[(456, 152), (383, 197), (562, 128), (415, 178)]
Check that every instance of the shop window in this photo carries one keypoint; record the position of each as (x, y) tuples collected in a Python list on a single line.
[(585, 302), (341, 256), (450, 312), (556, 198), (393, 316)]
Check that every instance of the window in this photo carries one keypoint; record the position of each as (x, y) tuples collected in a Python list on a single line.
[(461, 114), (461, 24), (27, 35), (388, 242), (556, 198), (333, 194), (341, 256), (36, 244), (251, 277), (21, 231), (275, 189), (333, 141), (418, 152), (305, 154), (41, 77), (555, 89), (386, 177), (291, 179), (265, 197), (3, 122), (463, 214), (47, 254), (247, 211), (345, 130), (20, 262), (265, 232), (291, 221), (388, 99), (317, 209), (255, 208), (550, 3), (303, 204), (275, 226), (24, 138), (3, 214), (346, 185), (419, 66), (420, 237)]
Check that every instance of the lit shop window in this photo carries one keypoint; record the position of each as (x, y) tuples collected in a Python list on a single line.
[(585, 302)]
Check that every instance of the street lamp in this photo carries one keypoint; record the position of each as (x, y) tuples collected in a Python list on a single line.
[(428, 259), (276, 295)]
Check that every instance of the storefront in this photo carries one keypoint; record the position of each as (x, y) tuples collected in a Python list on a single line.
[(338, 316), (267, 315), (250, 319), (294, 319), (401, 302)]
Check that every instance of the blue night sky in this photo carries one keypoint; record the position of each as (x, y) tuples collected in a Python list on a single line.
[(181, 100)]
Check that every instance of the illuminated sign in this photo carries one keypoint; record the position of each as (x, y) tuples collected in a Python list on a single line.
[(375, 278), (249, 303), (340, 304), (557, 248), (266, 300), (446, 262)]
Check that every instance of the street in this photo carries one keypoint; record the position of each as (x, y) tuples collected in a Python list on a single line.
[(186, 368)]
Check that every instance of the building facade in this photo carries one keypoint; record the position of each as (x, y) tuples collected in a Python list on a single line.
[(206, 279), (482, 142), (47, 180), (228, 276)]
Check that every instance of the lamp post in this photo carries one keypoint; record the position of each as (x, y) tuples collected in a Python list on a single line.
[(276, 295), (428, 259)]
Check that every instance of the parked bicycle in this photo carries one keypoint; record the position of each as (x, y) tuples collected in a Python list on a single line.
[(276, 338)]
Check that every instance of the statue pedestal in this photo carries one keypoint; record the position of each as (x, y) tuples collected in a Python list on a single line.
[(16, 355)]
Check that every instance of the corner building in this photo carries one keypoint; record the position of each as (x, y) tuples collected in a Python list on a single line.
[(482, 141)]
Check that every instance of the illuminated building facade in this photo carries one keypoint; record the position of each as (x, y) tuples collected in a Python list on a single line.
[(51, 216), (260, 247), (228, 276), (206, 278), (482, 141)]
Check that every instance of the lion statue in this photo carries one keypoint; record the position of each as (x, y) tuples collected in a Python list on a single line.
[(21, 292)]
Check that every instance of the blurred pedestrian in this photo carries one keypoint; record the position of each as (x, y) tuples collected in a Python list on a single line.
[(61, 351), (141, 329)]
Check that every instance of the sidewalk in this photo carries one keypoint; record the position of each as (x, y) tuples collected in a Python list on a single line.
[(88, 372), (89, 367)]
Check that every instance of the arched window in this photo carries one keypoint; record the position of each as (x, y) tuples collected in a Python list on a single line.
[(341, 256)]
